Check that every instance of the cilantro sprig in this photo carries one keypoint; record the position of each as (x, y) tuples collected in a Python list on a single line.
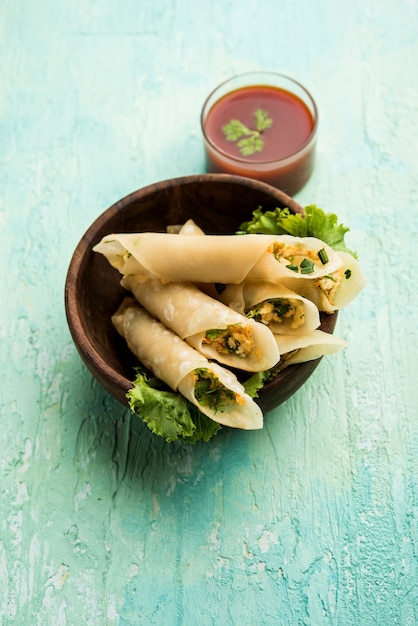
[(248, 140)]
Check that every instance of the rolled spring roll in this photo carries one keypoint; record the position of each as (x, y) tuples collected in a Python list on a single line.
[(217, 258), (191, 228), (335, 290), (188, 228), (214, 390), (288, 256), (210, 326), (302, 348), (272, 304)]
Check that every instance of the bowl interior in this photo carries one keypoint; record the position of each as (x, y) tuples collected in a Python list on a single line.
[(219, 204)]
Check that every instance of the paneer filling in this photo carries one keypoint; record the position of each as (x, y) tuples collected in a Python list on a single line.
[(286, 311), (298, 258), (234, 339), (330, 283)]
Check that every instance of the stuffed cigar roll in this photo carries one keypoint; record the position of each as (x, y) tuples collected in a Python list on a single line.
[(272, 304), (302, 348), (188, 228), (217, 258), (334, 290), (178, 258), (215, 391), (210, 326), (288, 256), (191, 228)]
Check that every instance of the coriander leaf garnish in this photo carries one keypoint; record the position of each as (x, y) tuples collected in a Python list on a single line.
[(234, 130), (250, 144), (248, 140), (262, 120)]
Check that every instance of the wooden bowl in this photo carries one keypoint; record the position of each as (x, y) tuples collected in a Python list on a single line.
[(218, 203)]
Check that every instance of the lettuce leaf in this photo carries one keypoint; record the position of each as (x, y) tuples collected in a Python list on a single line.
[(254, 383), (166, 413), (314, 223)]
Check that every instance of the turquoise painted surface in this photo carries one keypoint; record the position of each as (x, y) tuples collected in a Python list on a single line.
[(312, 521)]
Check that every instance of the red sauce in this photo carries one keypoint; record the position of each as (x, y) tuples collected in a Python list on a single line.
[(286, 159)]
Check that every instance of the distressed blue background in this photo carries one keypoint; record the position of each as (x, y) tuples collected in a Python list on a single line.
[(311, 521)]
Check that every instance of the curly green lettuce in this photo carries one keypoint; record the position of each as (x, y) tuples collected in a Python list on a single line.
[(314, 223), (256, 382), (166, 413)]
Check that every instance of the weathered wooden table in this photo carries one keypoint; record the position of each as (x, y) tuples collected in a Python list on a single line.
[(311, 521)]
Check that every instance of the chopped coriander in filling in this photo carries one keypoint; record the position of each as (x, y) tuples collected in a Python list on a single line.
[(298, 258), (211, 393), (234, 339), (278, 311)]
